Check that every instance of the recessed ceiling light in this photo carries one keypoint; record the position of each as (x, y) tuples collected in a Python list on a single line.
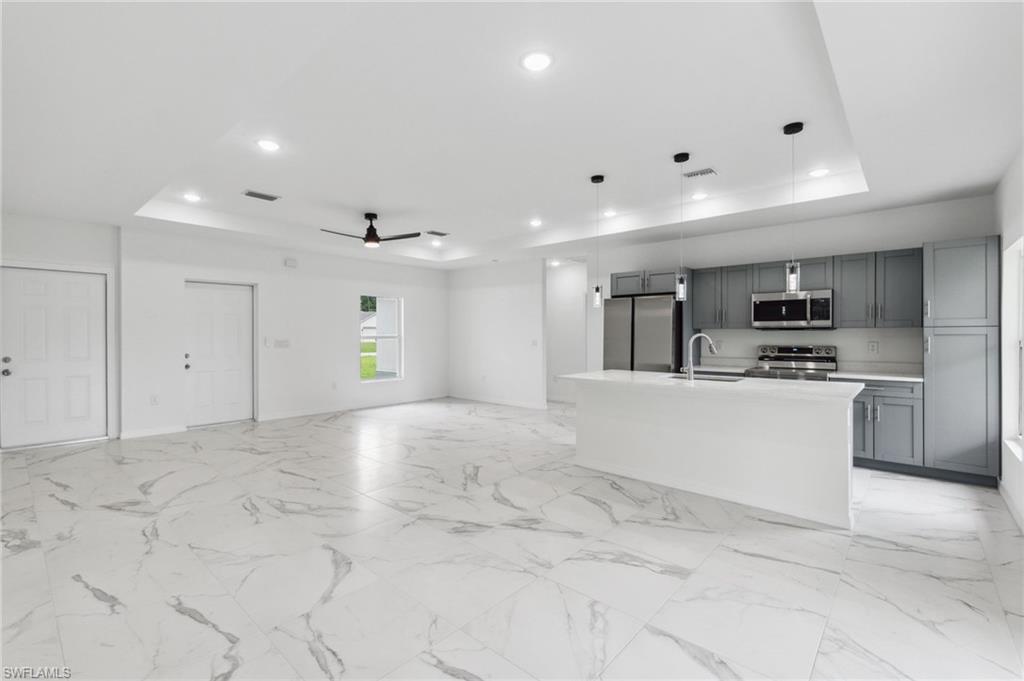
[(700, 196), (555, 263), (818, 172), (192, 197), (436, 243), (268, 145), (536, 222), (536, 61)]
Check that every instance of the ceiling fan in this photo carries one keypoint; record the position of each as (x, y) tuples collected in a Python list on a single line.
[(371, 239)]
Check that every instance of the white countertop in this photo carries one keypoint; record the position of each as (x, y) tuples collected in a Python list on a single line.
[(770, 387)]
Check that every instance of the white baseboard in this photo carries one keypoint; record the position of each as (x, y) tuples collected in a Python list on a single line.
[(1011, 505), (150, 432)]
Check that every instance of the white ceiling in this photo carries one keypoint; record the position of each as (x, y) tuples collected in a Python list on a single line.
[(423, 114)]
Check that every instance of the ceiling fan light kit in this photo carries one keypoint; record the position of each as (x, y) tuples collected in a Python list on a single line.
[(371, 239)]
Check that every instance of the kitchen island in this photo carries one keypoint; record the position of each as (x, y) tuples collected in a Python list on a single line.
[(785, 446)]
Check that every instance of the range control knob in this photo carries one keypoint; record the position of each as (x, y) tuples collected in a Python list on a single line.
[(830, 350), (763, 350), (773, 350), (818, 350)]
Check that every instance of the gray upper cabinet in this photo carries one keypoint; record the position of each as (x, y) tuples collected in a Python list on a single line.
[(627, 284), (899, 430), (706, 293), (737, 285), (661, 281), (769, 277), (961, 282), (961, 399), (854, 306), (898, 288), (878, 289), (815, 274)]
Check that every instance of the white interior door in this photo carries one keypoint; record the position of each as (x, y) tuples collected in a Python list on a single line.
[(218, 353), (54, 338)]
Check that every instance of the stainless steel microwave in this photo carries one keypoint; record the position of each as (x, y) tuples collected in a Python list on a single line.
[(794, 310)]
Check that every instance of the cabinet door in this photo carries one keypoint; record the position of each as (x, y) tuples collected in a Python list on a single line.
[(898, 296), (899, 430), (661, 281), (815, 274), (707, 296), (961, 399), (855, 291), (961, 282), (737, 285), (863, 435), (627, 283), (769, 277)]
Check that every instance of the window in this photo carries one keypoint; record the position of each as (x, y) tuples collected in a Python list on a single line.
[(380, 338)]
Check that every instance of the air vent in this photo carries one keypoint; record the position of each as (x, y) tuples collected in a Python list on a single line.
[(701, 173), (260, 195), (434, 232)]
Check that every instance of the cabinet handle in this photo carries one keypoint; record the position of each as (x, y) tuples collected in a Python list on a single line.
[(878, 413), (867, 413), (928, 308), (928, 345), (871, 311), (881, 312)]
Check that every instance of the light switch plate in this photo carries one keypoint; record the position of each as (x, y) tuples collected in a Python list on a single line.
[(873, 347)]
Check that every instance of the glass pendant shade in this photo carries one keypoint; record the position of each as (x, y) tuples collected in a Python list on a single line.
[(598, 298), (681, 288), (792, 277)]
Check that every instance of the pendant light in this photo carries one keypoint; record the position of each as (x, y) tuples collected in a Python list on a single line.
[(792, 267), (681, 158), (598, 295)]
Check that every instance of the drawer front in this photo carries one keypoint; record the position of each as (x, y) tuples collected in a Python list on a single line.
[(905, 389)]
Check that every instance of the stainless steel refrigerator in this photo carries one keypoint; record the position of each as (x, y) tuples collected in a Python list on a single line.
[(646, 333)]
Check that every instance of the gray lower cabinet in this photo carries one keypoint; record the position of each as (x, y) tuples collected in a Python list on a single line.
[(627, 283), (863, 433), (815, 274), (898, 430), (854, 302), (961, 282), (737, 285), (707, 295), (961, 371)]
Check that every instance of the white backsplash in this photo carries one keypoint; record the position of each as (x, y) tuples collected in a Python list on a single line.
[(899, 350)]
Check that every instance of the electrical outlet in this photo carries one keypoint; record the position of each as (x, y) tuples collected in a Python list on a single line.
[(873, 347), (154, 400)]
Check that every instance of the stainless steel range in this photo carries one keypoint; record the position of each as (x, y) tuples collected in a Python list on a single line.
[(798, 362)]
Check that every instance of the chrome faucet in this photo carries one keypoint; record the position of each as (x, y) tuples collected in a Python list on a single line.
[(689, 356)]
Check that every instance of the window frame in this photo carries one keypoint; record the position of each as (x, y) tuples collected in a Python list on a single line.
[(398, 336)]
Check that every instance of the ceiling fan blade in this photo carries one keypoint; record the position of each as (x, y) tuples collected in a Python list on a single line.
[(331, 231), (410, 235)]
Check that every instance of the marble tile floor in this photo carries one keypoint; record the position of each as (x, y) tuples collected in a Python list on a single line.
[(450, 539)]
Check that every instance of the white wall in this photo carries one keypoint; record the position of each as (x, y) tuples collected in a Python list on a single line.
[(905, 227), (35, 240), (1010, 206), (496, 334), (565, 326), (314, 307)]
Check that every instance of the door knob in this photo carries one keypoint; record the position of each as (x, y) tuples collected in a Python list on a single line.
[(6, 372), (188, 366)]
